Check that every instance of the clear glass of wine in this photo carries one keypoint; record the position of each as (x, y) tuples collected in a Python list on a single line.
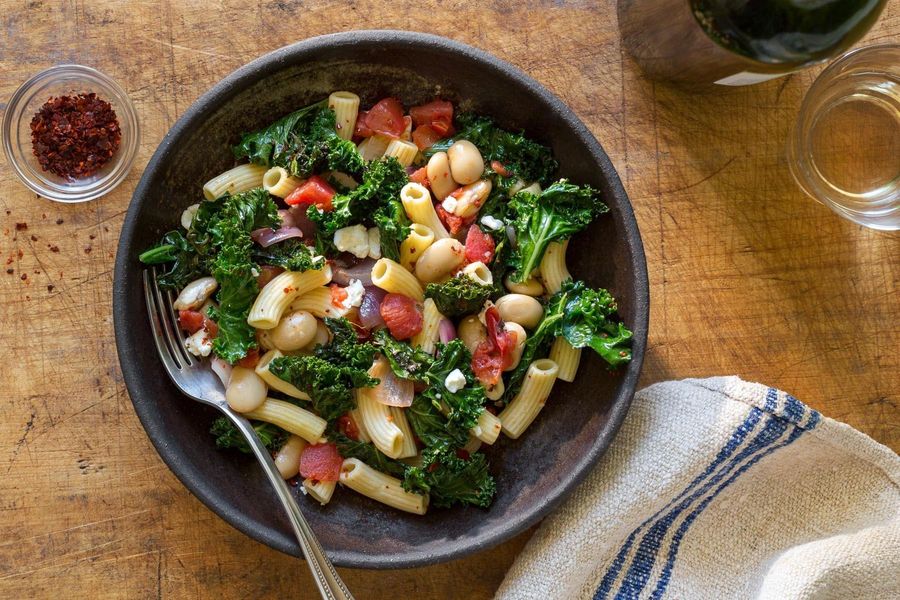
[(845, 148)]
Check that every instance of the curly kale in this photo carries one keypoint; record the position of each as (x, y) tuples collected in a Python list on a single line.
[(459, 296), (185, 264), (291, 254), (449, 478), (330, 387), (228, 436), (560, 211), (381, 183), (520, 156), (345, 349), (393, 227), (585, 317), (304, 142), (406, 361)]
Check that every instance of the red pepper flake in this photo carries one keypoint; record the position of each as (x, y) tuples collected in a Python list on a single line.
[(87, 249), (34, 238), (92, 236), (10, 260), (21, 226), (50, 288), (24, 277), (54, 248), (10, 271), (20, 253), (59, 221), (74, 136)]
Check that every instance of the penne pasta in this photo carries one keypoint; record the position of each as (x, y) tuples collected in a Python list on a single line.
[(316, 302), (379, 423), (362, 478), (274, 381), (553, 266), (566, 357), (526, 405), (242, 178), (290, 417), (394, 279), (408, 446), (416, 201), (279, 293), (346, 108), (278, 182), (428, 337), (321, 491), (419, 238), (405, 152), (373, 147)]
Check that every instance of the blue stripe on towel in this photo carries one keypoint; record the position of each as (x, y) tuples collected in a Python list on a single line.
[(638, 574), (666, 575), (734, 442)]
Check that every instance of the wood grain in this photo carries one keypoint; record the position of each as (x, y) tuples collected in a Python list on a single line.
[(748, 276)]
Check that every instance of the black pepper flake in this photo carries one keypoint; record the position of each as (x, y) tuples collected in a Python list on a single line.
[(54, 248), (34, 238), (92, 236), (21, 226), (59, 221), (74, 136), (50, 288), (10, 271)]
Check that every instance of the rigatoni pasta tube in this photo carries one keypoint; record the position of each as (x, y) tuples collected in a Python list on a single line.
[(553, 266), (404, 152), (242, 178), (416, 201), (278, 182), (419, 238), (321, 491), (379, 423), (373, 147), (408, 447), (523, 409), (566, 357), (274, 381), (316, 302), (488, 428), (394, 279), (278, 294), (346, 108), (363, 435), (362, 478), (291, 418), (428, 337)]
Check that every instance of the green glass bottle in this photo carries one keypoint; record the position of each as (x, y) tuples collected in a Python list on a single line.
[(739, 42)]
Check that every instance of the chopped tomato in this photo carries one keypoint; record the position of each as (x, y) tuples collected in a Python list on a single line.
[(462, 453), (424, 136), (338, 295), (419, 176), (402, 316), (479, 246), (315, 191), (361, 129), (452, 222), (494, 354), (500, 169), (266, 274), (250, 360), (212, 328), (386, 117), (321, 462), (347, 426), (190, 320), (438, 114)]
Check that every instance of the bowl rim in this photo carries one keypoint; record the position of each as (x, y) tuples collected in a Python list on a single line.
[(266, 65), (122, 162)]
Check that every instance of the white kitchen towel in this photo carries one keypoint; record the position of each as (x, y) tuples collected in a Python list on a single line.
[(718, 488)]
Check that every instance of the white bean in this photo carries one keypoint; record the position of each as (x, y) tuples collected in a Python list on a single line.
[(440, 259), (195, 293), (521, 336), (246, 390), (466, 163), (469, 198), (294, 331), (438, 172), (287, 459), (529, 287), (521, 309), (472, 332)]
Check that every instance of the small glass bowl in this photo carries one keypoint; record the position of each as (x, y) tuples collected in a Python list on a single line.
[(28, 99)]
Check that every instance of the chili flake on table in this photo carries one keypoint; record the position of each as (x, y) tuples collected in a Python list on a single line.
[(74, 136)]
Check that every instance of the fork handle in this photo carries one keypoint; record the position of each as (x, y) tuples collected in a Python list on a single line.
[(330, 585)]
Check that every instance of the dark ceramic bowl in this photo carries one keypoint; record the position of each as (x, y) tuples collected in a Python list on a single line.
[(533, 473)]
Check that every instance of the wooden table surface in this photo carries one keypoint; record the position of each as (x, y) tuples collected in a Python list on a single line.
[(748, 277)]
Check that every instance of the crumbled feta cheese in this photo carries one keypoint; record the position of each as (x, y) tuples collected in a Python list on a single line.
[(491, 223), (199, 343), (355, 292), (353, 239), (450, 203), (374, 243), (187, 217), (254, 271), (455, 381)]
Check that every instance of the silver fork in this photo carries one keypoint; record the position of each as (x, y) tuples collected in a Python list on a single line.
[(201, 384)]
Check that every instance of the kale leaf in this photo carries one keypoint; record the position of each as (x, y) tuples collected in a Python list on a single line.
[(381, 183), (330, 386), (304, 142), (186, 263), (459, 295), (291, 254), (406, 362), (449, 478), (345, 349), (228, 436), (525, 158), (393, 227), (585, 317), (561, 210)]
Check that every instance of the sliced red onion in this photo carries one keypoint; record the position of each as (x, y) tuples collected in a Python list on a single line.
[(265, 237), (446, 331), (410, 170), (370, 309), (287, 218), (511, 234), (391, 390), (362, 272), (301, 221), (222, 369)]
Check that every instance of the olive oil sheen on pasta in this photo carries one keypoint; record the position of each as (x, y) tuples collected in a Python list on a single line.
[(739, 42)]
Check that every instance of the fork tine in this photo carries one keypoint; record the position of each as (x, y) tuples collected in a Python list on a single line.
[(156, 326), (185, 356), (170, 325)]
